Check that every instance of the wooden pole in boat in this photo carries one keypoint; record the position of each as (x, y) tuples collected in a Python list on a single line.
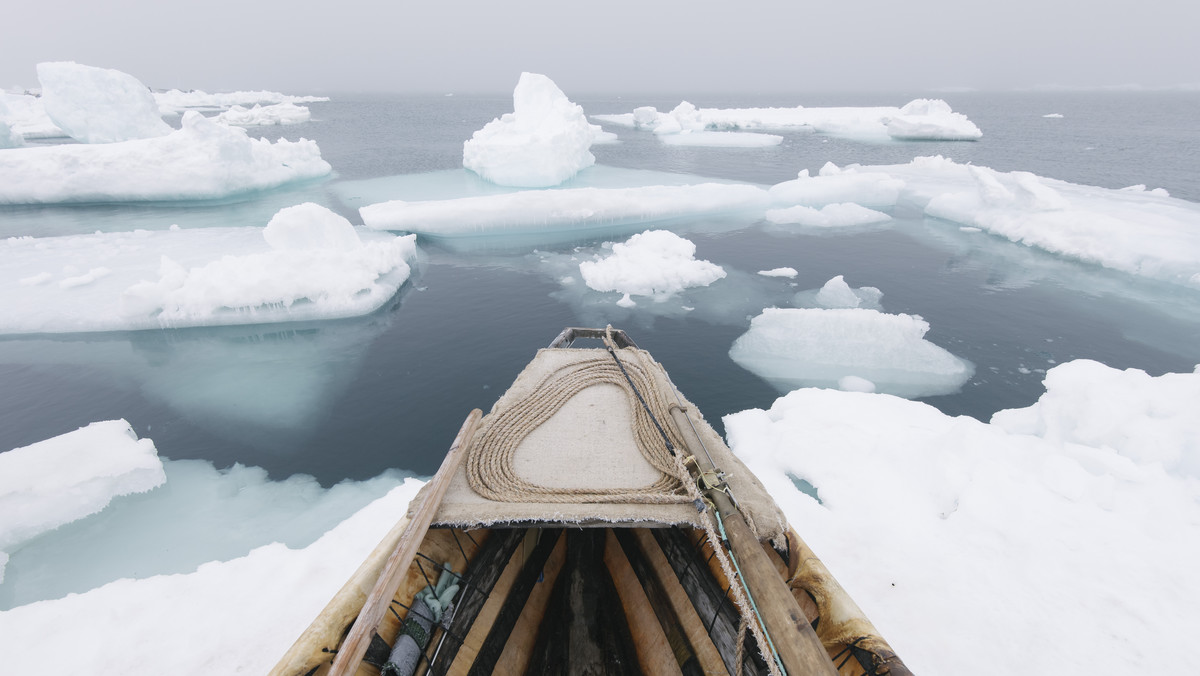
[(351, 652), (783, 621)]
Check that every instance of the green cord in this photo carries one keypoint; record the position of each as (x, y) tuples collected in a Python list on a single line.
[(741, 578)]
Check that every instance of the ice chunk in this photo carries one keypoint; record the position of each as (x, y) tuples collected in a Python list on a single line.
[(1147, 419), (1053, 115), (202, 160), (308, 263), (59, 480), (655, 263), (99, 105), (279, 113), (26, 115), (835, 215), (838, 186), (176, 101), (922, 119), (277, 590), (902, 477), (568, 209), (816, 348), (543, 142), (931, 119), (8, 137), (779, 272), (836, 293), (1137, 232)]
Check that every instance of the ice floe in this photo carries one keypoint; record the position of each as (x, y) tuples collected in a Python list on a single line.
[(1135, 231), (580, 210), (175, 101), (1060, 526), (25, 115), (277, 590), (779, 272), (834, 185), (56, 481), (796, 347), (308, 263), (721, 139), (543, 142), (201, 161), (259, 115), (836, 293), (656, 263), (98, 105), (921, 119), (837, 215)]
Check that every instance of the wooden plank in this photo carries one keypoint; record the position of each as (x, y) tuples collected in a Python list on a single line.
[(694, 652), (483, 584), (653, 649), (514, 604), (583, 632), (517, 653)]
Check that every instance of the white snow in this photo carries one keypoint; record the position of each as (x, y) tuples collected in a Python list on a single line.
[(543, 142), (1140, 232), (259, 115), (98, 105), (921, 119), (183, 624), (779, 272), (202, 160), (176, 101), (56, 481), (834, 185), (561, 210), (794, 347), (655, 263), (837, 215), (26, 115), (308, 263), (1049, 533)]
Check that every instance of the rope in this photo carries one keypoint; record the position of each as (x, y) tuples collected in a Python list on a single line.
[(489, 464)]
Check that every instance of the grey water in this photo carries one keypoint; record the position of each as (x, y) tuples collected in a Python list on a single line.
[(347, 399)]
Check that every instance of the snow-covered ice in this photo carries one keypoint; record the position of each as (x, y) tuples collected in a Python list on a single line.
[(797, 347), (56, 481), (655, 263), (201, 161), (26, 115), (921, 119), (98, 105), (837, 215), (1137, 231), (8, 137), (721, 139), (834, 185), (308, 263), (568, 209), (277, 591), (259, 115), (176, 101), (1052, 527), (779, 272), (543, 142)]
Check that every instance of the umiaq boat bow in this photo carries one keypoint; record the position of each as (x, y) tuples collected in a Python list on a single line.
[(591, 523)]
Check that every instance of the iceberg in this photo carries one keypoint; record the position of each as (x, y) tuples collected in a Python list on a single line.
[(56, 481), (655, 263), (836, 293), (201, 161), (308, 263), (543, 142), (561, 210), (791, 348), (259, 115), (1021, 517), (921, 119), (98, 105)]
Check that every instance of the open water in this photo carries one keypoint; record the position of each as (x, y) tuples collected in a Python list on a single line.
[(350, 398)]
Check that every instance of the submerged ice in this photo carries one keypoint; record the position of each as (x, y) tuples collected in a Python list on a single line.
[(655, 263)]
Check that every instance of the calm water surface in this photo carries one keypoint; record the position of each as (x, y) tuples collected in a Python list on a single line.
[(349, 398)]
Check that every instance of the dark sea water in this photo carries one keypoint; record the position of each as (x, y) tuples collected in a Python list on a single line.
[(350, 398)]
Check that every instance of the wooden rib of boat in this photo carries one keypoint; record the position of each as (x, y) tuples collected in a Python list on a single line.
[(593, 523)]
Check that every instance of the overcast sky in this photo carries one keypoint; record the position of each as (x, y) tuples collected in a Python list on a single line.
[(302, 46)]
